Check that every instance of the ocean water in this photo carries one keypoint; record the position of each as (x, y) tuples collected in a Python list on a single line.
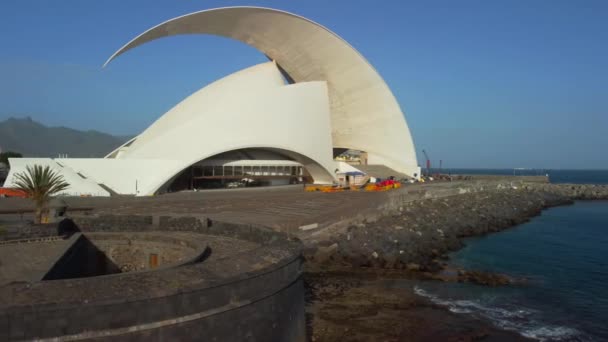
[(562, 254)]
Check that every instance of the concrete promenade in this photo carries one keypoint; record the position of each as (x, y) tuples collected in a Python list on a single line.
[(286, 208)]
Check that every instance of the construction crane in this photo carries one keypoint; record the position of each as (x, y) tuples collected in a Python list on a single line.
[(428, 163)]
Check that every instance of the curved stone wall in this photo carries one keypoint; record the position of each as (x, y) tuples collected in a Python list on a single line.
[(137, 251), (249, 288)]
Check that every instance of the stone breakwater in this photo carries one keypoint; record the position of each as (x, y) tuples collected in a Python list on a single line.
[(571, 191), (417, 236), (356, 290)]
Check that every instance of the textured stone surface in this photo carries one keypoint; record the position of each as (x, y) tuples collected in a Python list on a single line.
[(283, 208), (355, 308), (417, 234), (408, 228), (251, 272), (30, 260), (131, 251), (409, 239)]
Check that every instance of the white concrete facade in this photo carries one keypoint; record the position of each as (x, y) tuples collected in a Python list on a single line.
[(252, 108), (335, 99), (365, 115)]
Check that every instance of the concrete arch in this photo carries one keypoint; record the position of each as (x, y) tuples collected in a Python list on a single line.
[(320, 172), (251, 108), (364, 113), (314, 168)]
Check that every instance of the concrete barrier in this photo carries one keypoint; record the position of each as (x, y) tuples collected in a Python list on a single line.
[(254, 293)]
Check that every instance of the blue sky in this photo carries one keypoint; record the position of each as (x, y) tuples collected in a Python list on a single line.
[(482, 83)]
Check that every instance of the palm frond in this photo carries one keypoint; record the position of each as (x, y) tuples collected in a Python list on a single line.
[(39, 183)]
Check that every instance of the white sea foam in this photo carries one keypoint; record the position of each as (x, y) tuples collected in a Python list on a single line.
[(550, 333), (468, 306), (521, 320)]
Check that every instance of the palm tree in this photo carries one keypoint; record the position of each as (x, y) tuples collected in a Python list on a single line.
[(40, 183)]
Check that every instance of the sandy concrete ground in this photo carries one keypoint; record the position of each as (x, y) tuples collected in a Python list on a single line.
[(281, 207)]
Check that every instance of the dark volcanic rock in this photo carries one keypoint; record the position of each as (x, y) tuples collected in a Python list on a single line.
[(571, 191), (343, 308), (484, 278), (414, 242), (424, 231)]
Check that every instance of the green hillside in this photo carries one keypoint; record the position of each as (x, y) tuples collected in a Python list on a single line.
[(33, 139)]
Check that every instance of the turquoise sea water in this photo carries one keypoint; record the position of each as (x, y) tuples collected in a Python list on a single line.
[(563, 254)]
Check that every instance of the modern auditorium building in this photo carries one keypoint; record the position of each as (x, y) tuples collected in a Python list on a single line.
[(279, 122)]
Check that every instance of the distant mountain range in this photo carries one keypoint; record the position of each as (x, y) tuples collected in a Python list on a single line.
[(33, 139)]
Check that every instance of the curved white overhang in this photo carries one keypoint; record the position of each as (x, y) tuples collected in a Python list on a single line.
[(364, 113), (252, 108)]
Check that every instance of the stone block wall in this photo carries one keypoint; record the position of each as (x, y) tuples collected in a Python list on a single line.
[(132, 251), (257, 297), (82, 259)]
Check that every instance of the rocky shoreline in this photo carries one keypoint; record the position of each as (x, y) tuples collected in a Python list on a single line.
[(373, 308), (345, 271)]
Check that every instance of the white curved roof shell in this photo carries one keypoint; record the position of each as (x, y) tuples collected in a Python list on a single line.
[(250, 109), (364, 113), (338, 100)]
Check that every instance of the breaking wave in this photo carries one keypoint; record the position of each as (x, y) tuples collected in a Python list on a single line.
[(521, 320)]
